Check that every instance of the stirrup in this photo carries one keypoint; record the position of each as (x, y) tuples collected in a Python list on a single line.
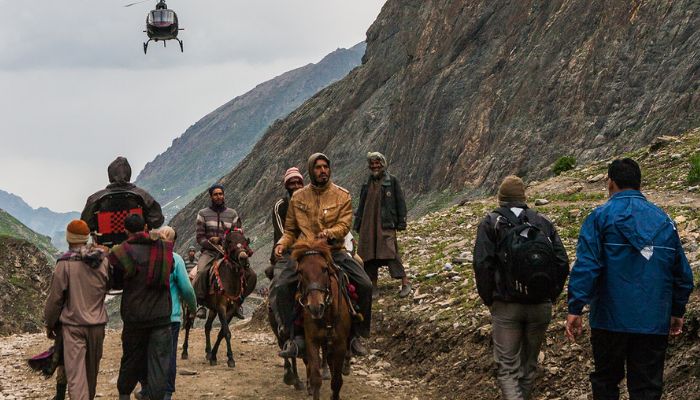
[(290, 350)]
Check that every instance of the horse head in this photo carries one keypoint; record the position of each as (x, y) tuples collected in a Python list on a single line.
[(237, 247), (314, 268)]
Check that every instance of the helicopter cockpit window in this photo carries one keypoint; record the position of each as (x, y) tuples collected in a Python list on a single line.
[(161, 17)]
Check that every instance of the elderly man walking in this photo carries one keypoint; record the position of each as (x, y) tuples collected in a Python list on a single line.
[(380, 213), (632, 270), (75, 305), (142, 267)]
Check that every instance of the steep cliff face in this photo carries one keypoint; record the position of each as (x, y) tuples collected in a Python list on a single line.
[(215, 144), (25, 274), (459, 94)]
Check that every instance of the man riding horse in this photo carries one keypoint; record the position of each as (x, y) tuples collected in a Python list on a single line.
[(212, 224), (320, 210)]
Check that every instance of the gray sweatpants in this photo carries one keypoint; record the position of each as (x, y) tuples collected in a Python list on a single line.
[(518, 332)]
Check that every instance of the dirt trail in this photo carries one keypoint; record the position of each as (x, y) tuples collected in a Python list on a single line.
[(258, 372)]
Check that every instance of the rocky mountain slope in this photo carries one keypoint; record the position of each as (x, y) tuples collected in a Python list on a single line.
[(441, 333), (40, 219), (11, 227), (25, 273), (215, 144), (459, 94)]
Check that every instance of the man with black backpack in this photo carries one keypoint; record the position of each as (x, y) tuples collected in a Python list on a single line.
[(106, 210), (520, 266)]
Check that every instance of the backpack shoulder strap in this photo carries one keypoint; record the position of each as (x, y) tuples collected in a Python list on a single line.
[(508, 215)]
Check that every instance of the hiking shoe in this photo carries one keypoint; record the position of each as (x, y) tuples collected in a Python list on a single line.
[(202, 312), (358, 348), (405, 290), (238, 312), (290, 350)]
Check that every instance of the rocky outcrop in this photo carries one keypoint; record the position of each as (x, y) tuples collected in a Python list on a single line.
[(459, 94), (215, 144), (25, 274)]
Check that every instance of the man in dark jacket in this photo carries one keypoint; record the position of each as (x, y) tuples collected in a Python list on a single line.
[(519, 322), (632, 270), (106, 210), (381, 212), (142, 267), (284, 274)]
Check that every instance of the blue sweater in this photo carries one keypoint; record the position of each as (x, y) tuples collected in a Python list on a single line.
[(180, 286), (630, 267)]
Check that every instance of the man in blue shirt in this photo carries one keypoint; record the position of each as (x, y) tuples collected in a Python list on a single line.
[(632, 270)]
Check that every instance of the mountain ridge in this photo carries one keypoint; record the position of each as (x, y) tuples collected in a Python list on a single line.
[(459, 95), (216, 143)]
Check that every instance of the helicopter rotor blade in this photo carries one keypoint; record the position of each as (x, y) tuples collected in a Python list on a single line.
[(135, 3)]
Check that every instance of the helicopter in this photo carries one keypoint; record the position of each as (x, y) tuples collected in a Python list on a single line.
[(161, 25)]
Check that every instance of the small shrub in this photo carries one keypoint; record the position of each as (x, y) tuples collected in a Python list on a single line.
[(564, 163), (694, 173)]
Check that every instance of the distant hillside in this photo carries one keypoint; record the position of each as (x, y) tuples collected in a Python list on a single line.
[(458, 94), (40, 219), (11, 227), (25, 274), (217, 142)]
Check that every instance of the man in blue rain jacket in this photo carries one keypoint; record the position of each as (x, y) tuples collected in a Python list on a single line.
[(632, 270)]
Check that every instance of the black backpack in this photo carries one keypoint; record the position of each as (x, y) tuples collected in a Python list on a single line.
[(112, 210), (526, 257)]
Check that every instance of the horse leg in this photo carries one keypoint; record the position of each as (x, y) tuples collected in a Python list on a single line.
[(220, 336), (337, 359), (186, 343), (207, 333), (298, 384), (325, 372), (229, 352), (313, 369)]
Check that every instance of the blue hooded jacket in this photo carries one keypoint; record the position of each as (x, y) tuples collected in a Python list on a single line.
[(630, 267)]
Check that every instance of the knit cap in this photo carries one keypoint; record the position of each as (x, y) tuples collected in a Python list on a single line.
[(511, 190), (77, 232), (375, 155), (292, 173)]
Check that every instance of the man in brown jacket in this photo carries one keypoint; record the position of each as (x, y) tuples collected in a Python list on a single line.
[(76, 306), (324, 210)]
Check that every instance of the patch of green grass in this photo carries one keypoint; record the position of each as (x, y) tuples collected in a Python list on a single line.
[(694, 172)]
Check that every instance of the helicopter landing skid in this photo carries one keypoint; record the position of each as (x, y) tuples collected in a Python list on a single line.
[(145, 45)]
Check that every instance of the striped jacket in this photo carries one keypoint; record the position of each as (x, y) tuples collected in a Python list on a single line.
[(212, 223)]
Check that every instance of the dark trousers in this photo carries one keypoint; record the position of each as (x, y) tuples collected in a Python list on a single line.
[(395, 266), (284, 286), (172, 371), (644, 356), (145, 353)]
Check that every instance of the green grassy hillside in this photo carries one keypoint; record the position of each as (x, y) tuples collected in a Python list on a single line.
[(11, 227), (442, 332)]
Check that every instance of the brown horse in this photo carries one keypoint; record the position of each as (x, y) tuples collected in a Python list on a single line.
[(327, 318), (224, 298)]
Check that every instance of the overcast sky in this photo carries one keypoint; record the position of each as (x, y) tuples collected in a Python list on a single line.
[(76, 89)]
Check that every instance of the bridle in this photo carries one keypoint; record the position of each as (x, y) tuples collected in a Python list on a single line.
[(315, 286)]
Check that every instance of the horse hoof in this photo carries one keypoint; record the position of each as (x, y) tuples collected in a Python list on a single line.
[(184, 356), (299, 385), (231, 364), (289, 378), (212, 362)]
